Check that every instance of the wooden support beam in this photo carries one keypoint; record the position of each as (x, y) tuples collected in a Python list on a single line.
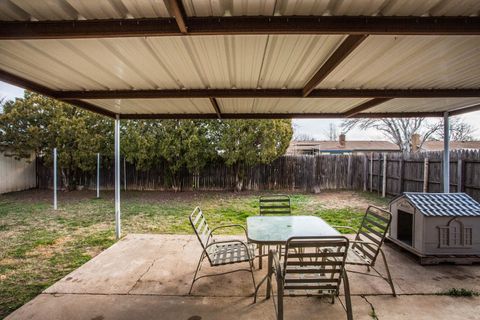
[(216, 107), (268, 93), (364, 106), (345, 48), (175, 9), (153, 27)]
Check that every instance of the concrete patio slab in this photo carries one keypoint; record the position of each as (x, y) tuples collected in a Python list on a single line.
[(144, 276), (426, 307), (132, 307)]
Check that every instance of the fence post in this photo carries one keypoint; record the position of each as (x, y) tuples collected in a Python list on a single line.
[(365, 172), (384, 182), (379, 175), (401, 165), (371, 172), (54, 178), (98, 175), (425, 175), (349, 172), (459, 174)]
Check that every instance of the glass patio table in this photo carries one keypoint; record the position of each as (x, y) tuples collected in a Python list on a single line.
[(276, 230)]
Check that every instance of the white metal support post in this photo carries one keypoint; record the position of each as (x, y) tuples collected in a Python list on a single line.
[(98, 175), (446, 153), (54, 178), (118, 231)]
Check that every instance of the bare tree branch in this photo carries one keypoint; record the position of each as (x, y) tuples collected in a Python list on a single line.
[(400, 131)]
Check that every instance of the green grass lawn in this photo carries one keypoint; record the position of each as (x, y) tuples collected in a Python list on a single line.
[(38, 245)]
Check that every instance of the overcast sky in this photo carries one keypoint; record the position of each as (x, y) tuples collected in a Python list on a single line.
[(316, 128)]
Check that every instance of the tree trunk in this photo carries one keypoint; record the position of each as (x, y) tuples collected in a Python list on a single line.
[(239, 174)]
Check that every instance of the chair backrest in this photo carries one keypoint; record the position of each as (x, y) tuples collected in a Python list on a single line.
[(374, 228), (200, 226), (276, 204), (315, 263)]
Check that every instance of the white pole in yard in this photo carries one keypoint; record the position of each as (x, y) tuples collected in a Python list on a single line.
[(117, 178), (446, 153), (54, 178), (125, 173), (98, 175), (384, 180)]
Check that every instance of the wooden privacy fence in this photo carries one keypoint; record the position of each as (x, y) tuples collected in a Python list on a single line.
[(302, 173), (394, 173), (385, 174)]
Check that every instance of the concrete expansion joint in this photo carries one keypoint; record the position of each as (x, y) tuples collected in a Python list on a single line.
[(372, 312)]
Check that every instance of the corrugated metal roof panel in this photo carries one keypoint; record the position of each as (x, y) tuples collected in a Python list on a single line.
[(147, 106), (80, 9), (390, 61), (117, 9), (423, 104), (178, 62), (47, 10), (202, 8), (287, 105), (443, 204), (290, 60)]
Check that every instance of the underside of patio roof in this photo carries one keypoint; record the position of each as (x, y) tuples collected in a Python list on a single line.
[(246, 59)]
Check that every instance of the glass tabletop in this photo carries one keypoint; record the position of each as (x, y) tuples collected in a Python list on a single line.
[(278, 229)]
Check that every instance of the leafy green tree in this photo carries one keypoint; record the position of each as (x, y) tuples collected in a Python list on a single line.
[(37, 124), (243, 143), (182, 144), (140, 143)]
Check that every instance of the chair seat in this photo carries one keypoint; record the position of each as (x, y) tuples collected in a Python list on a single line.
[(357, 258), (227, 253)]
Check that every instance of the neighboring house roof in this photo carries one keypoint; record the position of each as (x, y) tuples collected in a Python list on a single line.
[(454, 145), (443, 204), (298, 146)]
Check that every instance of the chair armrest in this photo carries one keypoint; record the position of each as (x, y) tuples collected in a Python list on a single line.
[(365, 242), (229, 226), (230, 241), (345, 227)]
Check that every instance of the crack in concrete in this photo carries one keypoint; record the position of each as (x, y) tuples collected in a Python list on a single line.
[(140, 278), (372, 313)]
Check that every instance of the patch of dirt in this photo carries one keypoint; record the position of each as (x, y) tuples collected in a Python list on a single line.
[(47, 251), (342, 199)]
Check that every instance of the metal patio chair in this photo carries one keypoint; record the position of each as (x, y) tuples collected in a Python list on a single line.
[(275, 204), (368, 243), (219, 253), (278, 204), (311, 266)]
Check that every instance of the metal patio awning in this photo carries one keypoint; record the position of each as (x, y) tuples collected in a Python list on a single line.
[(246, 58)]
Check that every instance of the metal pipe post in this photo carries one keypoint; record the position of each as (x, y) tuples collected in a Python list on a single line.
[(54, 178), (446, 153), (98, 175), (124, 173), (118, 232)]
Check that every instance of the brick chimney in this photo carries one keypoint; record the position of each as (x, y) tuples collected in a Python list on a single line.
[(341, 139), (415, 142)]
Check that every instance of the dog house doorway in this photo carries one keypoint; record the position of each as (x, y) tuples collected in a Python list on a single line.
[(405, 227)]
